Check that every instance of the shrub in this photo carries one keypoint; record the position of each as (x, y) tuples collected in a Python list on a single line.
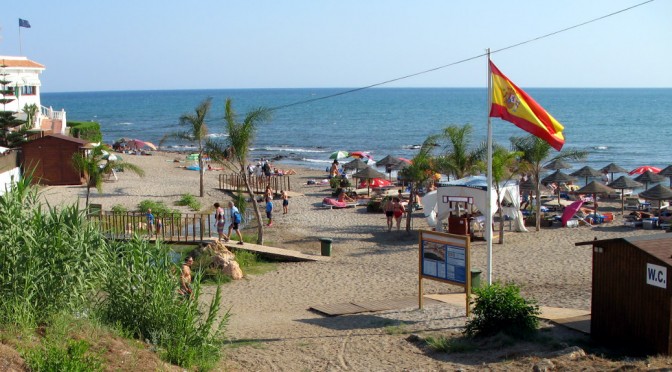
[(190, 201), (89, 130), (73, 357), (119, 209), (158, 208), (501, 308)]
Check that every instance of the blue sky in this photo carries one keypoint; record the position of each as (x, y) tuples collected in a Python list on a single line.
[(212, 44)]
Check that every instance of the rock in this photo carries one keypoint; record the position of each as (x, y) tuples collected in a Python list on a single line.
[(543, 365), (216, 256), (572, 353)]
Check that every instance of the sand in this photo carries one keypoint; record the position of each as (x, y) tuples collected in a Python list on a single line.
[(271, 328)]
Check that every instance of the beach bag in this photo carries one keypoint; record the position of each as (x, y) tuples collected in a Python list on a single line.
[(236, 217)]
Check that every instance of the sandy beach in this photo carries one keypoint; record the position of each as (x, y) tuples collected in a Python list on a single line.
[(271, 328)]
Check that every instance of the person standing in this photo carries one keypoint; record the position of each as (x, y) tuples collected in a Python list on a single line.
[(220, 222), (269, 211), (388, 208), (398, 211), (236, 219), (285, 202), (185, 277), (150, 222)]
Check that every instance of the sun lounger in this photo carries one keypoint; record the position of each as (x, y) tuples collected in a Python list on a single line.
[(334, 203)]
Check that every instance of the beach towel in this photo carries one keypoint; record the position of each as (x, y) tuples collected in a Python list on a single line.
[(570, 211)]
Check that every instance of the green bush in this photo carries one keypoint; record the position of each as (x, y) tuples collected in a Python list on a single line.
[(89, 130), (190, 201), (119, 209), (158, 208), (501, 308)]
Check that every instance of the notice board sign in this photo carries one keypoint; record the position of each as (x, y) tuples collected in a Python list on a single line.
[(444, 257)]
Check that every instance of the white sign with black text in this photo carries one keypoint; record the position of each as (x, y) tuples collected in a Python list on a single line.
[(656, 275)]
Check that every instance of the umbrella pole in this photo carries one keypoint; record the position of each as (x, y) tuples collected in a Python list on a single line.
[(622, 202)]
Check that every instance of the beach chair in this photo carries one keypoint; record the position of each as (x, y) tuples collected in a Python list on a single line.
[(632, 204)]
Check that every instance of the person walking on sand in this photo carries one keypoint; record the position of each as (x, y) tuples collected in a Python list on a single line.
[(236, 219), (269, 211), (285, 202), (398, 211), (185, 277), (220, 222), (150, 222), (388, 208)]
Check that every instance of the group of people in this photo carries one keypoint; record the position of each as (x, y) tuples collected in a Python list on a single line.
[(394, 210), (264, 168), (220, 221)]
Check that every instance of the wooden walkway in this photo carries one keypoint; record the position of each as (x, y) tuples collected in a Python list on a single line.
[(273, 252)]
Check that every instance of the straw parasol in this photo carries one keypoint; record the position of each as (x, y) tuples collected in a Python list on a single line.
[(586, 172), (649, 176), (658, 192), (667, 172), (623, 183), (595, 188), (557, 177), (355, 164), (557, 164), (613, 168), (388, 160), (368, 173)]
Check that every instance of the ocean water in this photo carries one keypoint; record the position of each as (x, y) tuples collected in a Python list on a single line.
[(630, 127)]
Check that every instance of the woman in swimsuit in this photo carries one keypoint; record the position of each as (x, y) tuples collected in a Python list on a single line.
[(398, 211)]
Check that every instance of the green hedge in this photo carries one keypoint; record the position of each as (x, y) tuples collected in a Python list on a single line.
[(88, 130)]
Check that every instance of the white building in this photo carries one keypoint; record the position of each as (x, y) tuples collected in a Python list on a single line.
[(23, 75)]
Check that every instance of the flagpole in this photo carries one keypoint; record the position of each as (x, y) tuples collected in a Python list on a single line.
[(488, 199), (20, 46)]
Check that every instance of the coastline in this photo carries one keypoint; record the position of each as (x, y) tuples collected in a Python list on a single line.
[(368, 263)]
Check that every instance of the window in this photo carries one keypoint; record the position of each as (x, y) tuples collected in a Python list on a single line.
[(28, 90)]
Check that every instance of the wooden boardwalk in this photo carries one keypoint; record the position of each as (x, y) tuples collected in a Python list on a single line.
[(273, 252)]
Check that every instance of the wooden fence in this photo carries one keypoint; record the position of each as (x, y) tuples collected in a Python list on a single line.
[(234, 182), (176, 227)]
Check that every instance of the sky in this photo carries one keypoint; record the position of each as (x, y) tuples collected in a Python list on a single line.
[(222, 44)]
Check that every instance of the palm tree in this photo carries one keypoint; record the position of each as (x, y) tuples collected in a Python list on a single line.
[(197, 132), (241, 135), (460, 160), (94, 168), (535, 152), (418, 173)]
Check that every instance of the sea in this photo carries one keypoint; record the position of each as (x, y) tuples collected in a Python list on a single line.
[(630, 127)]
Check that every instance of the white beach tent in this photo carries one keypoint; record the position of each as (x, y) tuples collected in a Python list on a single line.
[(437, 203)]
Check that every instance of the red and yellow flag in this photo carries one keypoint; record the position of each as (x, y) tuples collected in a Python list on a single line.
[(512, 104)]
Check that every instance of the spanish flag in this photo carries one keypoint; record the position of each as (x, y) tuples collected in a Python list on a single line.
[(512, 104)]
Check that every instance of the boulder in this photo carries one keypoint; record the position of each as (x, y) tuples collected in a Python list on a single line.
[(216, 256)]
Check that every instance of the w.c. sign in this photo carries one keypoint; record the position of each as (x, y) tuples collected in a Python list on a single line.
[(656, 275)]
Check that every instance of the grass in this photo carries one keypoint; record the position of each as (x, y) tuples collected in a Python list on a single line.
[(451, 344)]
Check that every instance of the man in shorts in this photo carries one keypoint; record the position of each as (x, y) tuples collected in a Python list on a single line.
[(269, 210), (235, 221)]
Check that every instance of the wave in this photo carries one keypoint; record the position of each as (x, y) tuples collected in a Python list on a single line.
[(316, 160), (288, 149), (411, 147), (217, 135), (600, 147), (125, 123)]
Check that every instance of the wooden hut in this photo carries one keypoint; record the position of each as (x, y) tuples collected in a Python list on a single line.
[(49, 158), (631, 300)]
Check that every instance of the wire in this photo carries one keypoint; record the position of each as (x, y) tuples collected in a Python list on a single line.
[(458, 62)]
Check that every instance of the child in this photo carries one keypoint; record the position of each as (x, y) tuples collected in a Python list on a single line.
[(269, 211), (150, 222), (285, 202)]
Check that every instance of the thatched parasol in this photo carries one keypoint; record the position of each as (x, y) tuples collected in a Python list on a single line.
[(557, 164), (367, 174), (355, 164), (613, 168), (649, 176), (557, 177), (658, 192), (623, 183), (667, 172), (595, 188), (390, 163), (586, 172)]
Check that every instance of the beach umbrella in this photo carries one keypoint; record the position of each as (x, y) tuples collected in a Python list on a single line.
[(667, 172), (644, 168), (586, 172), (376, 182), (388, 160), (623, 183), (649, 176), (557, 177), (613, 168), (368, 173), (595, 188), (570, 210), (150, 145), (360, 154), (658, 192), (135, 144), (557, 164), (339, 155), (356, 164), (407, 161)]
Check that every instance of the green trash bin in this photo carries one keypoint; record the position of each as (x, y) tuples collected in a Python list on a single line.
[(475, 278), (325, 244)]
